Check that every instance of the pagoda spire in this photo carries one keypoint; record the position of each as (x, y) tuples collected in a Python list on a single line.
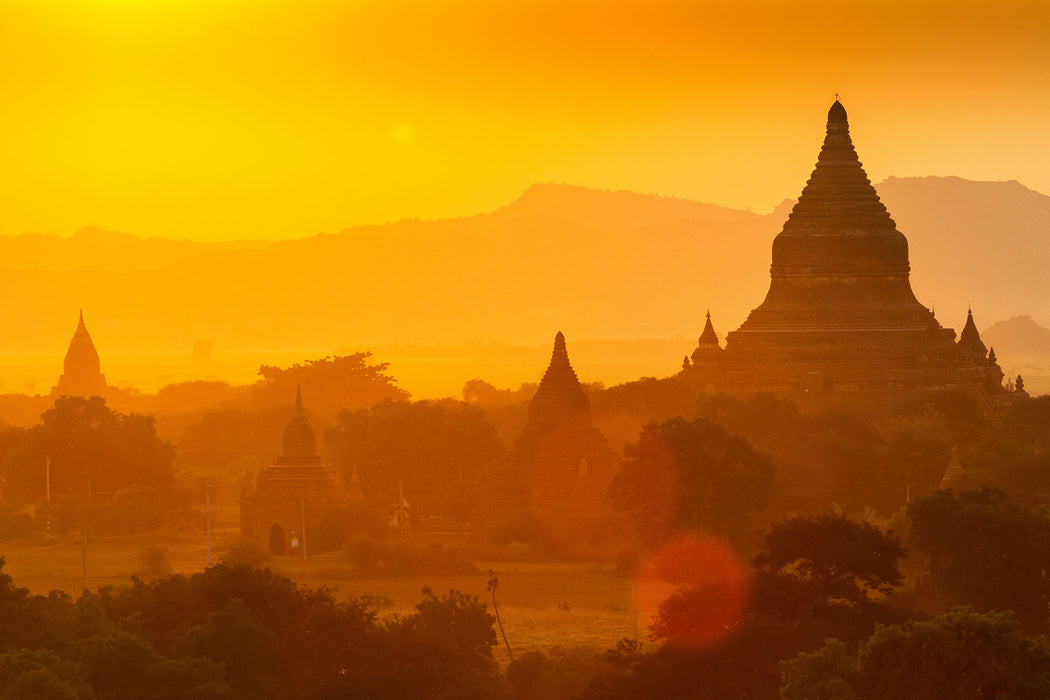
[(707, 348), (299, 443), (560, 393), (709, 338), (970, 338)]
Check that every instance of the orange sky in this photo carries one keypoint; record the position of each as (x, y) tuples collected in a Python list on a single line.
[(218, 119)]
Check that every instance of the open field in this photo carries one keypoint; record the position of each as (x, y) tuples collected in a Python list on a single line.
[(542, 605)]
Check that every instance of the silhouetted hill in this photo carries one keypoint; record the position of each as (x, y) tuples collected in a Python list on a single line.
[(974, 243), (92, 248), (612, 211), (1019, 336), (590, 263)]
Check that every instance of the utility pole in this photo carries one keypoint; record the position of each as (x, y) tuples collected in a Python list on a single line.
[(47, 469), (83, 544), (302, 519), (207, 518), (634, 606)]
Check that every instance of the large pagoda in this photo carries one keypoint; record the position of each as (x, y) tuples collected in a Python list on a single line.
[(840, 313)]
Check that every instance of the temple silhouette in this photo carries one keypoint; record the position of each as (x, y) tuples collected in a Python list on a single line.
[(840, 314), (81, 369), (292, 496), (560, 458)]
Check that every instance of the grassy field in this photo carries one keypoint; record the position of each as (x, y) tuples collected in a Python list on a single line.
[(542, 605)]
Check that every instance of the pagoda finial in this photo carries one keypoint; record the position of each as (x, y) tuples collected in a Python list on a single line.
[(837, 113), (559, 343), (298, 401), (80, 323)]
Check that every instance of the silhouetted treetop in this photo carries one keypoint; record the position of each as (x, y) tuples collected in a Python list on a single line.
[(332, 383)]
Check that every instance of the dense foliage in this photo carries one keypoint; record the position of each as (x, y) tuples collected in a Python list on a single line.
[(691, 475), (958, 655), (239, 632), (86, 441), (329, 385), (986, 551), (438, 448)]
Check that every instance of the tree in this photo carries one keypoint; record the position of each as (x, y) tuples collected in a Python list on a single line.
[(986, 551), (437, 447), (958, 655), (841, 560), (329, 385), (686, 476), (460, 617), (86, 441), (233, 636), (40, 673)]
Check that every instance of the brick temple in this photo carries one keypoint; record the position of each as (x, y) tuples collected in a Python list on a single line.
[(294, 494), (840, 314)]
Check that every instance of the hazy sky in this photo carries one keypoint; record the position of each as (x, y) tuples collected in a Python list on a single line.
[(217, 119)]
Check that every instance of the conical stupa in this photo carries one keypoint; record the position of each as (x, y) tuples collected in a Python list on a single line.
[(81, 369), (559, 434)]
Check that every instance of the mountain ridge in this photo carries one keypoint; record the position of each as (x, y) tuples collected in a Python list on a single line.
[(598, 264)]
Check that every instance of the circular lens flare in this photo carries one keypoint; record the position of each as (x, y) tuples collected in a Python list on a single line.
[(694, 589)]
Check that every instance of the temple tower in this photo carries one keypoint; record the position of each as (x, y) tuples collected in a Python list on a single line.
[(297, 489), (560, 436), (81, 375), (840, 314)]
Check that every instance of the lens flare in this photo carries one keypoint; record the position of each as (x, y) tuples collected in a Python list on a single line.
[(693, 589)]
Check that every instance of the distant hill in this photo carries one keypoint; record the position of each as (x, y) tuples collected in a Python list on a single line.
[(593, 264), (1019, 336), (982, 244)]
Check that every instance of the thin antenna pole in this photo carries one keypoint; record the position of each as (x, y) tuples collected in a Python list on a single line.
[(207, 518)]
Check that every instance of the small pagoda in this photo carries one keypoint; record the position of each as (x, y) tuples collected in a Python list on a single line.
[(81, 369), (561, 455), (293, 494), (840, 314)]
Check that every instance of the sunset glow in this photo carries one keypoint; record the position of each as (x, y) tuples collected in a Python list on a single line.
[(279, 119)]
